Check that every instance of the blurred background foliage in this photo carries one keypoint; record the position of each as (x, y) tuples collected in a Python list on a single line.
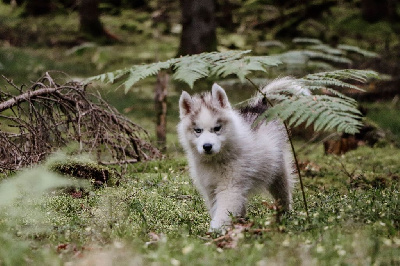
[(147, 31), (37, 35)]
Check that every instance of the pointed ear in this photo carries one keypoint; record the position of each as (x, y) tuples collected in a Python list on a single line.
[(219, 95), (185, 104)]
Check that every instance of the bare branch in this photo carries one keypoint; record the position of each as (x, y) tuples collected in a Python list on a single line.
[(25, 97), (48, 116)]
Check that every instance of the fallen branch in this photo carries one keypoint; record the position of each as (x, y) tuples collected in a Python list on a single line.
[(25, 97), (46, 117)]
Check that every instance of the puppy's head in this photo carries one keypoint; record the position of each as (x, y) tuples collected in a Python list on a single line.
[(205, 121)]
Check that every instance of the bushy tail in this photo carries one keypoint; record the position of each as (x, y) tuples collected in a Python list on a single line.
[(286, 84)]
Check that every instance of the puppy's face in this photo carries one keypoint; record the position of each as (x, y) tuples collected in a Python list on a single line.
[(204, 121)]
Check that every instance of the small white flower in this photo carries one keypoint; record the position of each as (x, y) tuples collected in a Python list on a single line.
[(387, 242), (175, 262), (338, 247), (320, 249), (286, 243), (187, 249), (259, 246), (118, 244)]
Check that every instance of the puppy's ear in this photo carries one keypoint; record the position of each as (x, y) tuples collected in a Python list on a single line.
[(219, 95), (185, 104)]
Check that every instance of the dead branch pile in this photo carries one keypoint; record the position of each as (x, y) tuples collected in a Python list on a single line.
[(35, 122)]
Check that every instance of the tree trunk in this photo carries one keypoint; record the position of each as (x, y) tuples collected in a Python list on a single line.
[(198, 27), (375, 10), (89, 16), (225, 10), (160, 103), (37, 7)]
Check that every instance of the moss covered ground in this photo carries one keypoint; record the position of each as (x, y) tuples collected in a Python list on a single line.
[(156, 216)]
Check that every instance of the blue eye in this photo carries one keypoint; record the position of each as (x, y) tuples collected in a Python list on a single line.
[(217, 128), (198, 130)]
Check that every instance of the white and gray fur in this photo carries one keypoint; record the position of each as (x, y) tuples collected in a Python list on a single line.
[(229, 157)]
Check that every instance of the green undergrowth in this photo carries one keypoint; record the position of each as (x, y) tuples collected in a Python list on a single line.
[(155, 215), (385, 114)]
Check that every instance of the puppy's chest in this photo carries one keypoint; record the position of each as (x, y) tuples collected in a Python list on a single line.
[(213, 174)]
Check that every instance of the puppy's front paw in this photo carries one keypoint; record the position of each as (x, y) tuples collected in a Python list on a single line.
[(217, 231), (219, 226)]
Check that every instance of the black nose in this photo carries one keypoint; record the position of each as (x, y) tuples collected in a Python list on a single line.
[(207, 147)]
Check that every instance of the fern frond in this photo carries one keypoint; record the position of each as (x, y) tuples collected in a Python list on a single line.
[(135, 73), (316, 81), (358, 50), (243, 66), (326, 112), (139, 72), (328, 57), (306, 40), (189, 70), (361, 76), (301, 57), (326, 49), (330, 90)]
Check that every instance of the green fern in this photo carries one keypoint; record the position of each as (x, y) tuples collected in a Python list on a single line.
[(358, 50), (326, 112), (135, 73), (191, 68), (187, 68), (307, 41), (243, 66), (185, 72), (327, 49), (326, 108)]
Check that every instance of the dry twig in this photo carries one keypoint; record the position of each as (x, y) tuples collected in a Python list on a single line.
[(39, 120)]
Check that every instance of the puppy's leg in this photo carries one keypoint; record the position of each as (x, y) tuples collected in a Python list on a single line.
[(281, 190), (230, 201)]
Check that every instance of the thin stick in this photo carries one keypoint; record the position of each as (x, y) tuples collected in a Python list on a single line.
[(25, 97), (291, 145)]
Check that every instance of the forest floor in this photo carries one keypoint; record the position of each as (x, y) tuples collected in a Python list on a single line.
[(155, 215)]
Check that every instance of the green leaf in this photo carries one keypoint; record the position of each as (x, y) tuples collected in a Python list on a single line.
[(358, 50), (191, 70)]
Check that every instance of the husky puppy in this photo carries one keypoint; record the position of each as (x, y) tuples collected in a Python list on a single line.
[(230, 157)]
